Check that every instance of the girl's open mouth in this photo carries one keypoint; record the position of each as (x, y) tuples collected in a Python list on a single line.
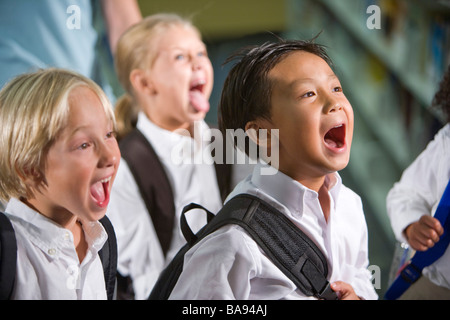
[(335, 137), (197, 97), (100, 192)]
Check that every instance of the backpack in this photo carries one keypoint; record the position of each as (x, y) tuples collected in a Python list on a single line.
[(284, 243), (154, 185), (156, 191), (8, 257)]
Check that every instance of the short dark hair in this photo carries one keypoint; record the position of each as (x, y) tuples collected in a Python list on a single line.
[(247, 91), (441, 99)]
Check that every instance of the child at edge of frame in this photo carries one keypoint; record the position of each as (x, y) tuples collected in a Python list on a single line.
[(58, 162), (413, 200), (287, 89)]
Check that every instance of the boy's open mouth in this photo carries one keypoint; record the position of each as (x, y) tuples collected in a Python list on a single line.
[(335, 137), (100, 192), (197, 97)]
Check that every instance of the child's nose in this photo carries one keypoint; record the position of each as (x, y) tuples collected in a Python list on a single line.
[(332, 105), (109, 155), (197, 63)]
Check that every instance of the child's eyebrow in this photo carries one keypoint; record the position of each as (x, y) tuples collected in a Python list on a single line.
[(333, 76), (305, 80), (76, 130), (177, 47)]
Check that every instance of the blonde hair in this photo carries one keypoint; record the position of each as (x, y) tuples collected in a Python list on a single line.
[(34, 109), (136, 50)]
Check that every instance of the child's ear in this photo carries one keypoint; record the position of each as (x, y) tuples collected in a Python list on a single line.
[(31, 177), (259, 131), (141, 82), (33, 180)]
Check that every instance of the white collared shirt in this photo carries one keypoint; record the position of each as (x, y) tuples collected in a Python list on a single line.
[(140, 254), (228, 264), (418, 193), (47, 262)]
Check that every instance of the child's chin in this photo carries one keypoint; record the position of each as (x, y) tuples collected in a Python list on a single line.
[(195, 115), (97, 210), (341, 165), (95, 215)]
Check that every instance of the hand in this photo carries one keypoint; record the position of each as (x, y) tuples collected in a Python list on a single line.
[(423, 234), (344, 291)]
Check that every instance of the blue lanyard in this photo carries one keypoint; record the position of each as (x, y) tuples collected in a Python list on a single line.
[(421, 259)]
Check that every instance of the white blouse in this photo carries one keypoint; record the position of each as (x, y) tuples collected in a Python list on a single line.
[(192, 180)]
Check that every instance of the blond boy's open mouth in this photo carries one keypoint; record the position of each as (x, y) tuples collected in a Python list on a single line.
[(100, 192)]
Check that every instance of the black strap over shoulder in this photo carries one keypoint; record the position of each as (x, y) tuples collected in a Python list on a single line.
[(223, 171), (153, 183), (108, 256), (8, 257), (286, 245)]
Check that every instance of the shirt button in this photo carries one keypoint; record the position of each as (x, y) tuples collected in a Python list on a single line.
[(52, 252), (66, 236)]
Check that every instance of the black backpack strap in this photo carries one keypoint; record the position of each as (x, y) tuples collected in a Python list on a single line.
[(223, 175), (285, 244), (108, 256), (223, 170), (153, 183), (190, 237), (8, 257)]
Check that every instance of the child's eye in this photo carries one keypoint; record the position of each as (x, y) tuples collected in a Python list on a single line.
[(337, 89), (111, 134), (179, 57), (84, 146), (308, 94)]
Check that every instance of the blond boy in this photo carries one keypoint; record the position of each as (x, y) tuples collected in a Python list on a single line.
[(58, 162)]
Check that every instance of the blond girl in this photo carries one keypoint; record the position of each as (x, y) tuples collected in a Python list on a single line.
[(163, 65)]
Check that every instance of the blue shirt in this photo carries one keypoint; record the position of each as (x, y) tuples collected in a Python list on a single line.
[(35, 34)]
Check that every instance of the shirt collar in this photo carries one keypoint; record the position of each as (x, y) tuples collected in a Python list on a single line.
[(163, 141), (290, 192), (49, 236)]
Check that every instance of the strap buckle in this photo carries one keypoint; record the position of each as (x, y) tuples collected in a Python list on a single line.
[(411, 273), (327, 293)]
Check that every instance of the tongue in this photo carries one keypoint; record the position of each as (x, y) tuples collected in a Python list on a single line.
[(334, 137), (331, 143), (198, 101), (97, 192)]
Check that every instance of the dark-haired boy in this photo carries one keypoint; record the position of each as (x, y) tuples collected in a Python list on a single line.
[(291, 87)]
